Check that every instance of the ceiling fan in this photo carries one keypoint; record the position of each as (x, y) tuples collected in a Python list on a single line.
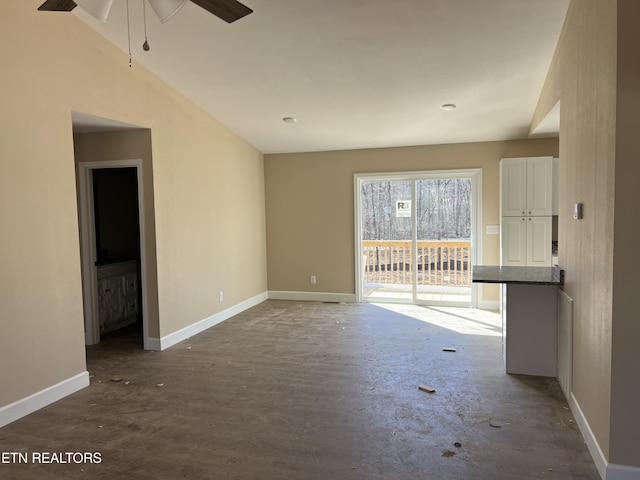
[(227, 10)]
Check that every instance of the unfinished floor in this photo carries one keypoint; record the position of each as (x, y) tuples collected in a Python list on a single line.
[(295, 390)]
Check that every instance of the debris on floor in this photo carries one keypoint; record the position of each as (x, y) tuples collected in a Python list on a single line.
[(448, 349), (159, 384), (426, 388), (448, 453), (495, 424), (457, 445), (116, 379)]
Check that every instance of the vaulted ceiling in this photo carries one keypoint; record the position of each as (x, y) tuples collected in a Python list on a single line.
[(354, 73)]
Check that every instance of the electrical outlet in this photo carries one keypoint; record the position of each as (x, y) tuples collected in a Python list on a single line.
[(313, 280), (221, 295)]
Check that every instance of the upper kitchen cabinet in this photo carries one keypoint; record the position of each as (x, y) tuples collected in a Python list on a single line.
[(526, 186)]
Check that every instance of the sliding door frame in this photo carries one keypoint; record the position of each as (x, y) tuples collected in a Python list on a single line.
[(475, 174)]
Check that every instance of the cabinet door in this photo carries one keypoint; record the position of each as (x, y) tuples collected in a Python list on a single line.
[(556, 185), (539, 241), (513, 181), (539, 186), (110, 301), (513, 236)]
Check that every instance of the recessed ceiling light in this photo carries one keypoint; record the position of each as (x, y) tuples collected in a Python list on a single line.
[(448, 107), (290, 120)]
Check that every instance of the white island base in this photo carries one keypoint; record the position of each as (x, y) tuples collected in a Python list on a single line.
[(530, 329)]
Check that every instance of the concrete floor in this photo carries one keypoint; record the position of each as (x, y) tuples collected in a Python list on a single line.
[(294, 390)]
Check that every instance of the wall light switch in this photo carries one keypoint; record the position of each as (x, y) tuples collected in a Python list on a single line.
[(493, 229)]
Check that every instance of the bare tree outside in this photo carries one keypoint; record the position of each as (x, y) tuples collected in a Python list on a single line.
[(443, 209), (443, 232)]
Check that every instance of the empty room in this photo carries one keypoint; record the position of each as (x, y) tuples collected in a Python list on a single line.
[(308, 240)]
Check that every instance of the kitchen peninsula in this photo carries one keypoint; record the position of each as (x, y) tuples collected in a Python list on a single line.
[(529, 315)]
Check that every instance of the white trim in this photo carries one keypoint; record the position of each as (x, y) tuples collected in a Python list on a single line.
[(153, 343), (202, 325), (475, 174), (88, 250), (25, 406), (357, 230), (589, 438), (87, 254), (312, 296), (608, 471)]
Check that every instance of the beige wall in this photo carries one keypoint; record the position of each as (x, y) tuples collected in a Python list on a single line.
[(596, 77), (310, 198), (625, 354), (208, 195), (585, 65)]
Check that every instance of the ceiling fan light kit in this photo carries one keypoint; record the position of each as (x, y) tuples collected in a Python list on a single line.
[(165, 9), (98, 9)]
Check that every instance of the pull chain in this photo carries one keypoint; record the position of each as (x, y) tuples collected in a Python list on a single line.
[(145, 45), (129, 33)]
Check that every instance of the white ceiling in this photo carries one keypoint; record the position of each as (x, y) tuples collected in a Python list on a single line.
[(355, 73)]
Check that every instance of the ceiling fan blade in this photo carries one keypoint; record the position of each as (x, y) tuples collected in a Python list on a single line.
[(227, 10), (57, 6)]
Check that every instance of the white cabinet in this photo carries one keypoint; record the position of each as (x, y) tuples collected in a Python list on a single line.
[(526, 241), (117, 295), (539, 241), (556, 184), (513, 235), (513, 186), (526, 186)]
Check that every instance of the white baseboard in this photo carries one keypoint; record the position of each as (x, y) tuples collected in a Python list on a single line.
[(23, 407), (589, 438), (151, 343), (195, 328), (312, 296)]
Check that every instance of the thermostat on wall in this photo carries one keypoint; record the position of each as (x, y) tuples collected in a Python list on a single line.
[(577, 210)]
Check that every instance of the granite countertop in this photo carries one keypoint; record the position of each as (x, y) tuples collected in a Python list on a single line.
[(520, 275)]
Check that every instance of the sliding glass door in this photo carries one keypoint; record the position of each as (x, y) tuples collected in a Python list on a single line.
[(386, 246), (415, 236)]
